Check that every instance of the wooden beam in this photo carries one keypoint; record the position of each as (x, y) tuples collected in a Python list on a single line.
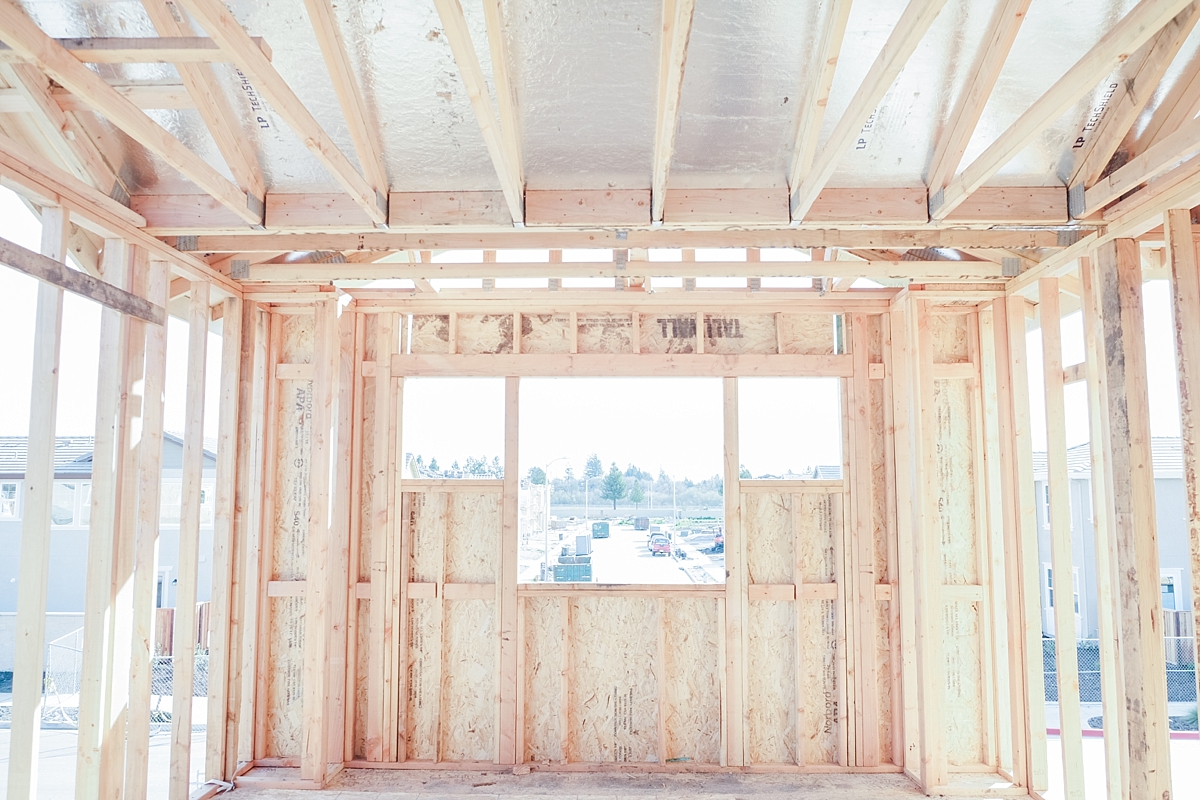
[(145, 555), (28, 40), (1140, 621), (1142, 74), (629, 364), (363, 131), (37, 501), (1178, 105), (1181, 145), (183, 641), (1185, 287), (140, 50), (505, 591), (224, 125), (221, 623), (55, 273), (144, 96), (506, 90), (953, 139), (1059, 487), (816, 92), (673, 48), (221, 25), (506, 163), (904, 38), (379, 688), (1134, 30), (736, 587)]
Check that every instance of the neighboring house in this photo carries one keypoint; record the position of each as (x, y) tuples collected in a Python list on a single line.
[(1173, 547), (70, 517)]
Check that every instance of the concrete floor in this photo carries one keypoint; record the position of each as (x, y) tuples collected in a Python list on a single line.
[(368, 784)]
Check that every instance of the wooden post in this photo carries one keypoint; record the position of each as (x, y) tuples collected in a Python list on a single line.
[(1185, 274), (145, 572), (1116, 755), (737, 599), (343, 581), (1143, 657), (1059, 483), (183, 649), (507, 597), (379, 687), (96, 678), (30, 639), (220, 626), (314, 758)]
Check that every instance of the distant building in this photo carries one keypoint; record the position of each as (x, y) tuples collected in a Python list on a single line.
[(72, 499), (1173, 547)]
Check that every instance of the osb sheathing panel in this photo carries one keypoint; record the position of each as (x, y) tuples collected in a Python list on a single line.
[(667, 333), (883, 678), (964, 682), (949, 332), (423, 680), (430, 333), (874, 325), (956, 482), (817, 537), (770, 539), (605, 333), (543, 679), (289, 551), (613, 679), (819, 643), (879, 498), (692, 679), (739, 333), (472, 536), (467, 715), (296, 345), (771, 682), (484, 333), (807, 333), (362, 655), (545, 333), (427, 531), (285, 690)]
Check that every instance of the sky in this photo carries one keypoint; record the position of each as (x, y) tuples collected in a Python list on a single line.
[(673, 424)]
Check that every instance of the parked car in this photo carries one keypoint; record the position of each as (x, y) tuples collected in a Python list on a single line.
[(599, 530), (641, 523), (659, 545)]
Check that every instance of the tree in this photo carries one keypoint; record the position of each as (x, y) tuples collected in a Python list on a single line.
[(636, 494), (537, 476), (614, 487), (569, 475), (593, 469), (433, 464), (745, 473)]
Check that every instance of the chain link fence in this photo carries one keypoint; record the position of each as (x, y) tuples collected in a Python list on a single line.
[(1181, 669)]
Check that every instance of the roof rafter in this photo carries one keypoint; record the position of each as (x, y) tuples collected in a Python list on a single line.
[(954, 138), (24, 36), (676, 31), (1144, 70), (349, 93), (141, 50), (220, 24), (816, 97), (1131, 32), (909, 30), (214, 108), (508, 167), (506, 90), (1182, 144), (1180, 104)]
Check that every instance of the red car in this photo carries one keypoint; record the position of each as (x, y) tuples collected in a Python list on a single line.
[(660, 545)]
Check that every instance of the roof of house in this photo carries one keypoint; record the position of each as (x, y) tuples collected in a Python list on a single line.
[(72, 454), (1167, 454)]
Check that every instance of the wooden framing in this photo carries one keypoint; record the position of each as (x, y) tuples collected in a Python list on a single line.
[(676, 30)]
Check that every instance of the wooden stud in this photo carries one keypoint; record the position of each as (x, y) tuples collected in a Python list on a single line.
[(892, 505), (506, 584), (521, 633), (516, 334), (1116, 753), (1140, 621), (37, 500), (183, 651), (399, 572), (905, 36), (354, 558), (736, 610), (676, 30), (801, 674), (1059, 486), (379, 688), (146, 548), (452, 336), (700, 337)]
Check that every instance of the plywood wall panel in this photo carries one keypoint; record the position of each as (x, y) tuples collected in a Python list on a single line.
[(289, 553), (802, 334), (964, 683), (285, 688), (427, 529), (770, 540), (956, 482), (693, 685), (771, 682), (430, 333), (422, 680), (739, 333), (297, 342), (545, 333), (467, 706), (613, 680), (950, 334), (667, 333), (361, 666), (883, 678), (472, 536), (484, 333), (817, 537), (821, 731), (605, 333), (543, 679)]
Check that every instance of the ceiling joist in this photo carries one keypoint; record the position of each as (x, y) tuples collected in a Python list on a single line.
[(506, 162), (147, 50), (676, 31), (220, 24), (816, 93), (1135, 29), (909, 30)]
